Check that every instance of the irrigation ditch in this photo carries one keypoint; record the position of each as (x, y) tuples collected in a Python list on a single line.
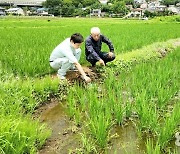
[(67, 132)]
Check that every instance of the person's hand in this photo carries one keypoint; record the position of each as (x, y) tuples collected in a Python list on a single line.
[(110, 54), (101, 62), (87, 79)]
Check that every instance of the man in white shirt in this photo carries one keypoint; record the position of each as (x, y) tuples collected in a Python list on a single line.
[(66, 55)]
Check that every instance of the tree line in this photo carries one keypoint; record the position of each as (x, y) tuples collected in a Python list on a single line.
[(69, 8), (83, 7)]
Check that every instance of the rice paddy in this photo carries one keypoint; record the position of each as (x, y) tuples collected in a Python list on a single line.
[(140, 88)]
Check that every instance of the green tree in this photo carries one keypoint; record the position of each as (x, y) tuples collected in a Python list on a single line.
[(54, 6), (88, 2), (169, 2), (106, 8), (52, 3), (77, 2), (119, 8), (68, 10), (96, 5), (129, 2)]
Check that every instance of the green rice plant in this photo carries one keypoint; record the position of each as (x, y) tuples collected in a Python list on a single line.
[(157, 82), (98, 116), (18, 133), (117, 102), (151, 148), (81, 97), (153, 86), (128, 108), (88, 144), (27, 94), (99, 126), (71, 103), (78, 117), (44, 89), (27, 48), (94, 106), (21, 135), (118, 111), (171, 122), (147, 113)]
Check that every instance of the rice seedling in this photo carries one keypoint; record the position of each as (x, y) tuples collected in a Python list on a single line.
[(151, 148), (148, 116), (29, 38), (171, 122), (19, 135), (99, 126), (71, 104), (88, 144)]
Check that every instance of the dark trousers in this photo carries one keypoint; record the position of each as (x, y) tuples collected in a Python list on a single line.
[(103, 55)]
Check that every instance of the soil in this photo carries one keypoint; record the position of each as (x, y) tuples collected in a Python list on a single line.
[(75, 76)]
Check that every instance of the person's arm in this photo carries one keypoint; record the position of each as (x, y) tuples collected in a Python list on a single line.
[(90, 49), (72, 59), (108, 42), (80, 69), (110, 45)]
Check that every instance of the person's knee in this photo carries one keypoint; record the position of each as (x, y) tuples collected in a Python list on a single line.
[(91, 60), (55, 66), (113, 56)]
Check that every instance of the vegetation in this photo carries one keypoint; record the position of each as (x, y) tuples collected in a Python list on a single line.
[(145, 85), (148, 89), (37, 38), (84, 7)]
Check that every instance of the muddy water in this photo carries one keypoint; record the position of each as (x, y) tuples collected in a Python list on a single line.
[(127, 141), (62, 139), (174, 146)]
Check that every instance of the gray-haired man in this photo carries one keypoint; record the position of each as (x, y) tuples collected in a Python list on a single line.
[(93, 45)]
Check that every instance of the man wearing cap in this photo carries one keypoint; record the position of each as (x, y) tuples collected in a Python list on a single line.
[(93, 45), (66, 56)]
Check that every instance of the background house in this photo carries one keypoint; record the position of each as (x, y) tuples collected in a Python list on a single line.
[(21, 3), (15, 11), (2, 11), (96, 12), (174, 9)]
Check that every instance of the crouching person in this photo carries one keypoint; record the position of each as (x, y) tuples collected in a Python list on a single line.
[(66, 56), (93, 46)]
